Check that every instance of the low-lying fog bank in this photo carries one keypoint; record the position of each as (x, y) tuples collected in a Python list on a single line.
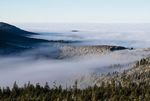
[(122, 34), (73, 52), (64, 71)]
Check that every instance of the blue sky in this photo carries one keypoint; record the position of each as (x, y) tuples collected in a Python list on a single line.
[(75, 11)]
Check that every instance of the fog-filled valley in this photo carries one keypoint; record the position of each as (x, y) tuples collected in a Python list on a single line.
[(69, 52)]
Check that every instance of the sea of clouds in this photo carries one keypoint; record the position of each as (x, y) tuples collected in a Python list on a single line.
[(129, 35), (29, 67)]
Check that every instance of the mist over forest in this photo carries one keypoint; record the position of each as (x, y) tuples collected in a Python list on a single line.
[(70, 56)]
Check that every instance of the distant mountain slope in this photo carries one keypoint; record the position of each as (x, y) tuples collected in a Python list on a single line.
[(13, 29), (13, 39)]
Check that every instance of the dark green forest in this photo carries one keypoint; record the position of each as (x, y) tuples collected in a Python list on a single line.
[(106, 92), (131, 85)]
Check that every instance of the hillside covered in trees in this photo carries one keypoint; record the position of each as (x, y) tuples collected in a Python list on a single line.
[(131, 85)]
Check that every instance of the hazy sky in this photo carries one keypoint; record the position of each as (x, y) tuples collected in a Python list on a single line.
[(91, 11)]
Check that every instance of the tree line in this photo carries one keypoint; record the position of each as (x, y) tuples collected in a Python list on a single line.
[(131, 85)]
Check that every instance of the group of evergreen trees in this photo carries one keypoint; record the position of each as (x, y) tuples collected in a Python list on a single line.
[(106, 92), (132, 85)]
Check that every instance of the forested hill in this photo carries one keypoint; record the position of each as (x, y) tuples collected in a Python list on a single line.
[(13, 39), (5, 27)]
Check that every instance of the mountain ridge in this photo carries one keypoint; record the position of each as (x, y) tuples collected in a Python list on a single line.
[(14, 39), (14, 30)]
